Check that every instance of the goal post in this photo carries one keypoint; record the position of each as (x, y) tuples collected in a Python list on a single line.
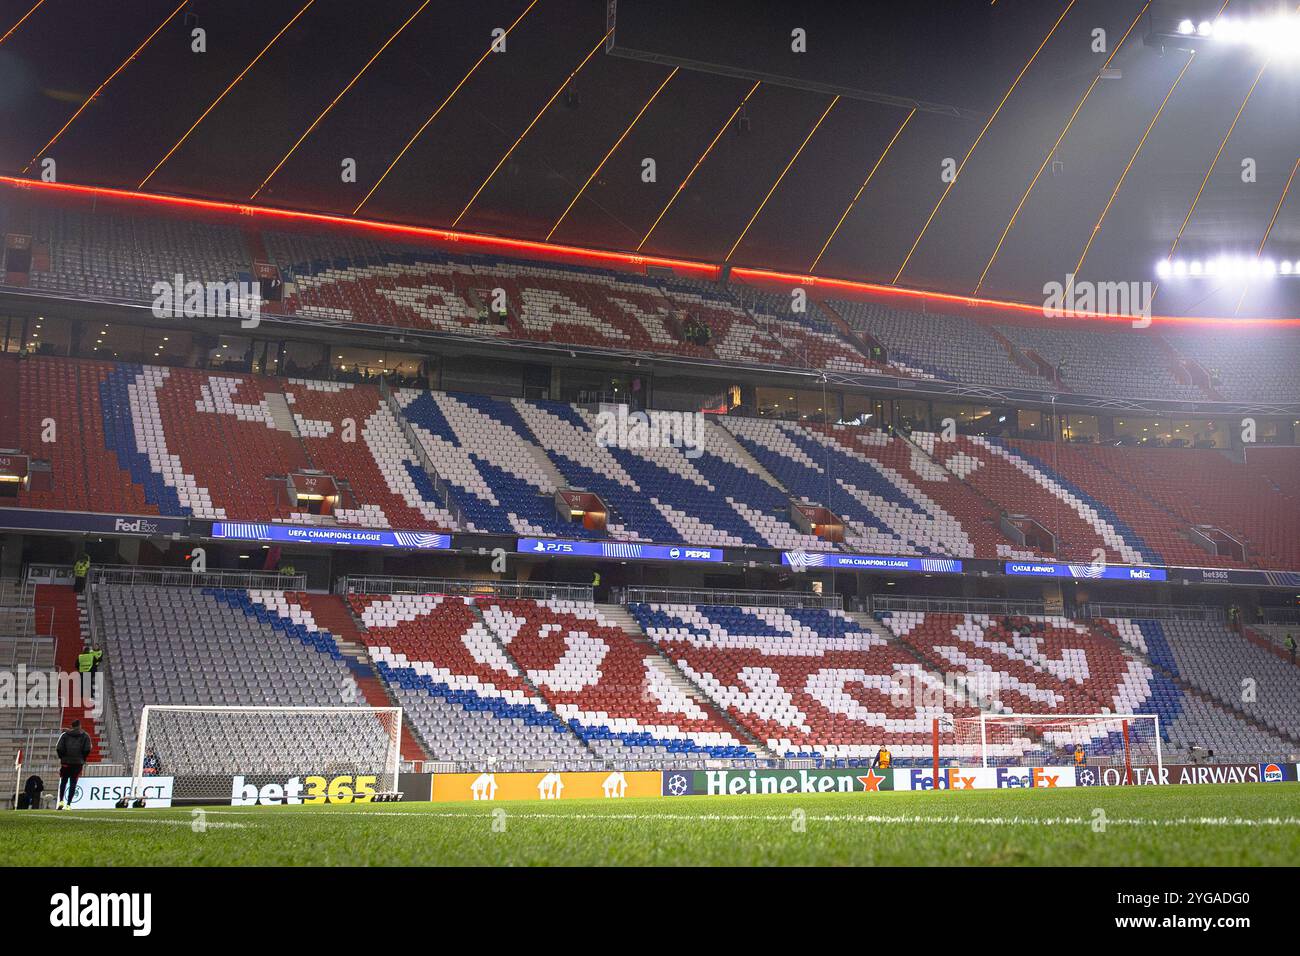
[(222, 754), (1028, 740)]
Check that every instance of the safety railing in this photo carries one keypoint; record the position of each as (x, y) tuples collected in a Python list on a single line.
[(671, 595), (937, 605), (421, 455), (122, 574), (533, 590), (1159, 612)]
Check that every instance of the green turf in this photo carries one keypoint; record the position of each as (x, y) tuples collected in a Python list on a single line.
[(1222, 825)]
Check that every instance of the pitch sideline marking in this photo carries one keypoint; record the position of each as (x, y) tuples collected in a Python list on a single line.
[(837, 818), (107, 818)]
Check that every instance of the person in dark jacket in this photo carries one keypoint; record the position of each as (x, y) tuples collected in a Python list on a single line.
[(32, 791), (73, 750)]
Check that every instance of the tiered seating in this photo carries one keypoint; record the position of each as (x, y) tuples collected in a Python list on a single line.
[(767, 334), (1125, 363), (1187, 720), (908, 468), (1026, 485), (1236, 672), (456, 684), (1258, 503), (389, 488), (1036, 665), (119, 256), (210, 646), (805, 681), (663, 493), (606, 686), (947, 347), (213, 441), (86, 475), (1256, 367), (499, 479), (884, 512)]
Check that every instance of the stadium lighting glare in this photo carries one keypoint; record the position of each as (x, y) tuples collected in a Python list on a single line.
[(1205, 28), (1278, 35), (1185, 27), (1228, 267)]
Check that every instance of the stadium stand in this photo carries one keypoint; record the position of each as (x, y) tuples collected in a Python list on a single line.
[(1124, 362), (941, 346), (609, 689), (448, 671), (347, 278), (806, 681), (210, 646)]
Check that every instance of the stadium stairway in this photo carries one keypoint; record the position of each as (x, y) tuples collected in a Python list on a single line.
[(524, 677), (332, 613), (69, 635), (657, 660)]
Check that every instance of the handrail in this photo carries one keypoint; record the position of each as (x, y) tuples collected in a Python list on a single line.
[(417, 447), (184, 577), (671, 595), (1163, 612), (534, 590), (893, 602)]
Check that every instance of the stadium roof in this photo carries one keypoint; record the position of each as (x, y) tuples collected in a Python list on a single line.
[(763, 156)]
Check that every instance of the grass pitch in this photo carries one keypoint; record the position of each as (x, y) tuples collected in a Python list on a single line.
[(1219, 825)]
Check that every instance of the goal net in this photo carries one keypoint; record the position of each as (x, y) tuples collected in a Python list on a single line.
[(1040, 740), (268, 755)]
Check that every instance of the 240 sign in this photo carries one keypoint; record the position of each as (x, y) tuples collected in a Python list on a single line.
[(316, 790)]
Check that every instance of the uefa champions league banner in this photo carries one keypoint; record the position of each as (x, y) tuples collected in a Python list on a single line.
[(355, 537)]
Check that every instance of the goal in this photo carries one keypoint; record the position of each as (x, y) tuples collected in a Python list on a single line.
[(1037, 740), (217, 754)]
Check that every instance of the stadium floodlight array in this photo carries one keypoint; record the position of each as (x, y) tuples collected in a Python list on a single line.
[(1277, 35), (1228, 267), (1036, 740), (273, 749)]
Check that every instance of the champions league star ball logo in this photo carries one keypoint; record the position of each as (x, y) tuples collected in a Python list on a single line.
[(677, 785), (1087, 778)]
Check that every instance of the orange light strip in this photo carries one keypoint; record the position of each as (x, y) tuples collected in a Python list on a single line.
[(1222, 146), (99, 89), (617, 143), (1055, 146), (1277, 209), (861, 189), (530, 246), (1011, 89), (1132, 159), (13, 29), (1281, 200), (341, 93), (441, 106), (812, 132), (218, 100), (527, 129), (708, 149)]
